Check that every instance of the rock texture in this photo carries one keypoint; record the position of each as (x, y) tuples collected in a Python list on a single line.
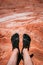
[(24, 17)]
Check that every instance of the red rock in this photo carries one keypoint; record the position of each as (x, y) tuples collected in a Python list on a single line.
[(28, 19)]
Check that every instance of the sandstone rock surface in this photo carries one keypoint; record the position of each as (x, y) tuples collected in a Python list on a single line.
[(23, 18)]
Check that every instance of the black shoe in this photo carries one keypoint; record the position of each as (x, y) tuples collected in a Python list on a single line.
[(26, 41), (15, 41)]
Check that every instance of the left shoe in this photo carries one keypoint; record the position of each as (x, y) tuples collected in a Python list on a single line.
[(15, 40)]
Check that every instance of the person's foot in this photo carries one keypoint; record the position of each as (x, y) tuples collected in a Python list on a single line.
[(15, 44), (15, 41), (26, 41)]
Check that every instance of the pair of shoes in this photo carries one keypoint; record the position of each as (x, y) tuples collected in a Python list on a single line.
[(15, 41), (15, 44)]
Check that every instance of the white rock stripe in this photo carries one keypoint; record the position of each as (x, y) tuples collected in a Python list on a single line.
[(16, 16)]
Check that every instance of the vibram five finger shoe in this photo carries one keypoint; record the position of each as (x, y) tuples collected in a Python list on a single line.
[(26, 41), (15, 41)]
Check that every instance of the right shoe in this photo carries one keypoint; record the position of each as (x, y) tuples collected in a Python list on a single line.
[(26, 41)]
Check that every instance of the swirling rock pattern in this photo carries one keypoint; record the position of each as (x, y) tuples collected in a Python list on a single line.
[(29, 20)]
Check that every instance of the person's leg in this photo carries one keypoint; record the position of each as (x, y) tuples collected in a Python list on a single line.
[(25, 54), (14, 57), (26, 57)]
